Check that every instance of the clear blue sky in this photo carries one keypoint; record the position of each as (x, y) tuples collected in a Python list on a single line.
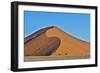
[(76, 24)]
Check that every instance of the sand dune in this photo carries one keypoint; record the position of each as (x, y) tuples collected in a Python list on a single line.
[(54, 42)]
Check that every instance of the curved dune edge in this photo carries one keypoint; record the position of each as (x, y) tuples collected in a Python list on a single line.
[(69, 46)]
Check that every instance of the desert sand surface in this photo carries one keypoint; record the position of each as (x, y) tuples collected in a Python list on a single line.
[(52, 43)]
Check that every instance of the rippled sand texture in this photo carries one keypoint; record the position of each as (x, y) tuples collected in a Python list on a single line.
[(52, 43)]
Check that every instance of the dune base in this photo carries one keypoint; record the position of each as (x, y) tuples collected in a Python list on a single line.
[(49, 58)]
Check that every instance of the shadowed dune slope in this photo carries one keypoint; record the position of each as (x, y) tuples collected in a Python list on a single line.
[(52, 41)]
